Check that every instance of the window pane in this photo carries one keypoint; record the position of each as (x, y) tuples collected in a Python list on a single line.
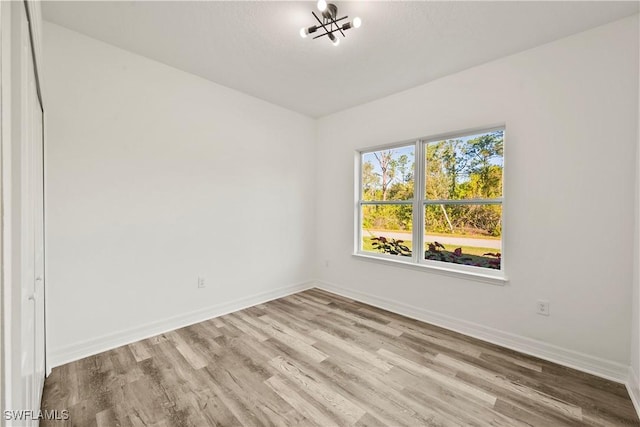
[(468, 167), (387, 229), (388, 174), (464, 234)]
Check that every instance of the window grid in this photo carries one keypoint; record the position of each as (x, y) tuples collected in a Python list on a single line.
[(420, 200)]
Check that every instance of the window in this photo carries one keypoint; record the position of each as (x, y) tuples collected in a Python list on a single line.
[(441, 195)]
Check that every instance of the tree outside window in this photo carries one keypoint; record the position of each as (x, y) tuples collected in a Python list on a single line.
[(458, 203)]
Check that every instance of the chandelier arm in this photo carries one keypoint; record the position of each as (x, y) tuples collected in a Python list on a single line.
[(338, 26), (329, 23), (325, 28), (340, 19), (321, 23), (324, 34)]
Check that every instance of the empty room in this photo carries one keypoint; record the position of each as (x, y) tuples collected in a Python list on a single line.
[(319, 213)]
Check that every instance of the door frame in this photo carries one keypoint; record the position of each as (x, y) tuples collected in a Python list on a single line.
[(5, 206), (8, 290), (34, 20)]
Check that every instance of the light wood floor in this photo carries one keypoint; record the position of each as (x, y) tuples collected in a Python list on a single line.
[(315, 358)]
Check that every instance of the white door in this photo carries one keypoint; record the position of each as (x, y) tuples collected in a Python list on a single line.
[(23, 346), (27, 219), (38, 227), (31, 227)]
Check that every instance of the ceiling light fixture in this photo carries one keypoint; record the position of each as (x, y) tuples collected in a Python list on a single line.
[(329, 23)]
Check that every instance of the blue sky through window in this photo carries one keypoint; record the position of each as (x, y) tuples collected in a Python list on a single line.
[(409, 152)]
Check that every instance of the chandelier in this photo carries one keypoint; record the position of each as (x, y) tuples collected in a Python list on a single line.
[(329, 23)]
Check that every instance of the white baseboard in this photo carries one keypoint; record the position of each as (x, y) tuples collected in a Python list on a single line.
[(583, 362), (97, 345), (633, 387)]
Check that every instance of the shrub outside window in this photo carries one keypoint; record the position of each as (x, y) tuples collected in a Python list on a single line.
[(443, 195)]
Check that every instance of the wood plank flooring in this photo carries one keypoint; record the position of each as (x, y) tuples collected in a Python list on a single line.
[(318, 359)]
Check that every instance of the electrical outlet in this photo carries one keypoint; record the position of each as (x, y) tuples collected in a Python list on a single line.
[(201, 283), (542, 307)]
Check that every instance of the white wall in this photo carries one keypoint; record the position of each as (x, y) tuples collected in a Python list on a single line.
[(571, 110), (156, 176)]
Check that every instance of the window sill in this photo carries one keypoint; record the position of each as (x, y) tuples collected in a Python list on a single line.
[(497, 279)]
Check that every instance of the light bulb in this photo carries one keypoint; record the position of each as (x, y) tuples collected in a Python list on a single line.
[(334, 40), (303, 33), (357, 22), (322, 5)]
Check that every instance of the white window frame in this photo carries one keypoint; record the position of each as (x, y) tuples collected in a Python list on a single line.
[(419, 202)]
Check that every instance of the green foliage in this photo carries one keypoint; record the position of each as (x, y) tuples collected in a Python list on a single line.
[(390, 246), (369, 181), (367, 245), (456, 169), (473, 220), (463, 170), (388, 175), (387, 217), (437, 252), (471, 169)]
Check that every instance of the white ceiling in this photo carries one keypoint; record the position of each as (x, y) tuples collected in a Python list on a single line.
[(255, 47)]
